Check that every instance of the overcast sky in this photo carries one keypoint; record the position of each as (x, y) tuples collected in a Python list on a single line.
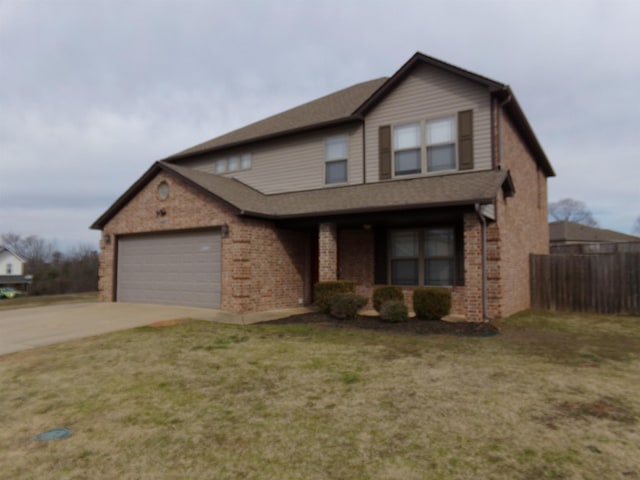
[(93, 92)]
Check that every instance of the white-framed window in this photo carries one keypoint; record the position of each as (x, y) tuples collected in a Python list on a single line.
[(233, 163), (336, 154), (221, 165), (9, 268), (441, 144), (424, 256), (407, 158), (245, 161), (427, 145)]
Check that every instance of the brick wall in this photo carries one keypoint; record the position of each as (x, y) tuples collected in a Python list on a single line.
[(262, 267), (521, 229)]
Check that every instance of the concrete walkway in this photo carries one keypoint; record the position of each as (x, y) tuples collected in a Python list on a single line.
[(25, 328)]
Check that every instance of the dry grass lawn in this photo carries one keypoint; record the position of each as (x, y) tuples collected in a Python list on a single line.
[(552, 397)]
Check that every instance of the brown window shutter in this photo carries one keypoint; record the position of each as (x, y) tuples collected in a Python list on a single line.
[(384, 142), (465, 140)]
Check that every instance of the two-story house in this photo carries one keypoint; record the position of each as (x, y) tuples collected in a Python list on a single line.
[(432, 176)]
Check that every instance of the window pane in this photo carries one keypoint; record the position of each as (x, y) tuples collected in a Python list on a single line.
[(335, 148), (404, 244), (404, 272), (221, 165), (233, 164), (406, 136), (336, 172), (441, 130), (438, 272), (245, 161), (407, 162), (441, 158), (439, 243)]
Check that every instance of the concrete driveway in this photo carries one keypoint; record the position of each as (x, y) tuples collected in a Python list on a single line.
[(25, 328)]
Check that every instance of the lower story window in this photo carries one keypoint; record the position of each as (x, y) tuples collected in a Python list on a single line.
[(422, 257)]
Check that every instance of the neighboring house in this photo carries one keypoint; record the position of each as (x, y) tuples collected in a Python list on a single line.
[(571, 237), (11, 269), (432, 176), (571, 233)]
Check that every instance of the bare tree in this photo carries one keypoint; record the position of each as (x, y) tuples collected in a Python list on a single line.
[(636, 226), (572, 210)]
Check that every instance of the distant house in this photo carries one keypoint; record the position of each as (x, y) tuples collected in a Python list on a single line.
[(572, 237), (431, 177), (11, 269), (570, 233)]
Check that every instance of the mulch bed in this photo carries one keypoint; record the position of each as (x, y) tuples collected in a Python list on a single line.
[(412, 326)]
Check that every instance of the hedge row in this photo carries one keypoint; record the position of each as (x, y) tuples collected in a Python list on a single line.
[(338, 298)]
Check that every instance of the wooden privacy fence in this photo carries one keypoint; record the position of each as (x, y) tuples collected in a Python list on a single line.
[(586, 283)]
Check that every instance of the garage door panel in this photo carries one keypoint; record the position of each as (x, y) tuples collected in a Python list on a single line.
[(175, 268)]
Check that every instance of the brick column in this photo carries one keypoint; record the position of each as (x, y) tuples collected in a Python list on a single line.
[(328, 252), (472, 268)]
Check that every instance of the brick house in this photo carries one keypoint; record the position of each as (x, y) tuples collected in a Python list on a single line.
[(432, 176)]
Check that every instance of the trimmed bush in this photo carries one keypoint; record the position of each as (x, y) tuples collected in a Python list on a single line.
[(346, 305), (431, 303), (385, 294), (394, 311), (323, 292)]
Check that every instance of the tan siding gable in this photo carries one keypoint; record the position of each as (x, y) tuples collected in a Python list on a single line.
[(290, 164), (430, 92)]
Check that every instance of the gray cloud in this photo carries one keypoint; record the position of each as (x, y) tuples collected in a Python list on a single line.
[(91, 93)]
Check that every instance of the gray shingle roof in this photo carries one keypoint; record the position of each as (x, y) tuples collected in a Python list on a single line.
[(572, 232), (329, 109), (455, 189)]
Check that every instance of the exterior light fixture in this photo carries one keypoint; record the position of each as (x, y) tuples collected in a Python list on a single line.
[(224, 230), (107, 239)]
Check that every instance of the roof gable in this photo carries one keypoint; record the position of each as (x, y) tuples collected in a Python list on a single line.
[(4, 249)]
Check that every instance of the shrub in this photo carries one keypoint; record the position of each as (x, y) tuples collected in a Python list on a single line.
[(385, 294), (431, 303), (394, 311), (346, 305), (323, 292)]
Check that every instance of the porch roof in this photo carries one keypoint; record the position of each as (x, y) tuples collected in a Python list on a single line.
[(457, 189), (424, 192)]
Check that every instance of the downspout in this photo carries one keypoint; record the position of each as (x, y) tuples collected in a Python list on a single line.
[(501, 105), (485, 295)]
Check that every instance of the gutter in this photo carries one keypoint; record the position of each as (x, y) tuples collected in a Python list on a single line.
[(501, 105), (485, 293)]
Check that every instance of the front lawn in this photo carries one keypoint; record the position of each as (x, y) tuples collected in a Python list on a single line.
[(553, 396)]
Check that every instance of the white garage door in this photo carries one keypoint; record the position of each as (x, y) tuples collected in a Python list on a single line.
[(170, 268)]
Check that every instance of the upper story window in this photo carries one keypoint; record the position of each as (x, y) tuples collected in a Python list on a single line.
[(406, 155), (429, 145), (233, 163), (441, 144), (9, 269), (336, 153)]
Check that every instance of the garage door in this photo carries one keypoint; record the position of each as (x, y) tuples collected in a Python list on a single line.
[(170, 268)]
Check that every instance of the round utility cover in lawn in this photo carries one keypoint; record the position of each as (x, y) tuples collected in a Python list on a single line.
[(54, 434)]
